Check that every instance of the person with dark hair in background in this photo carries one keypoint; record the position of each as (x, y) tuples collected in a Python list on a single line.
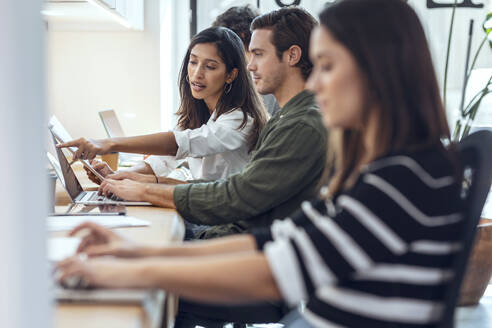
[(377, 249), (239, 20)]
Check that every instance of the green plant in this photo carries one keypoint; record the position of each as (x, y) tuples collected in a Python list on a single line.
[(468, 112), (450, 34)]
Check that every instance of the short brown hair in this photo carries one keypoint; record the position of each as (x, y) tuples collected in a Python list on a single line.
[(290, 26), (239, 20)]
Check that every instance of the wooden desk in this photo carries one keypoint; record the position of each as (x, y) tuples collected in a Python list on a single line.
[(166, 226)]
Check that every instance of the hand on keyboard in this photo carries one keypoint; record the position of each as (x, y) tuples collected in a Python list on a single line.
[(72, 282), (105, 199)]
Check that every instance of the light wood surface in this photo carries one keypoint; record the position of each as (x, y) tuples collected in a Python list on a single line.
[(166, 227)]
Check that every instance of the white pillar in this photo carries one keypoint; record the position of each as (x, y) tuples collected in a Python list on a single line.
[(174, 40), (24, 299)]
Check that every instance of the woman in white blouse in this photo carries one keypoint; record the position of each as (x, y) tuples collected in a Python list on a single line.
[(220, 116)]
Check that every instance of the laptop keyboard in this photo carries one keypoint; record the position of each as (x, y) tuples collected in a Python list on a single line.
[(94, 197)]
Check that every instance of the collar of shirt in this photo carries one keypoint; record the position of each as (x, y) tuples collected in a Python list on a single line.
[(298, 104)]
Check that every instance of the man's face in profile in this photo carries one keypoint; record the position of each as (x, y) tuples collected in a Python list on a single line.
[(267, 69)]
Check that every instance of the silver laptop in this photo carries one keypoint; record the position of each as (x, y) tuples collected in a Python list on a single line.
[(62, 135), (114, 130), (72, 185), (111, 123)]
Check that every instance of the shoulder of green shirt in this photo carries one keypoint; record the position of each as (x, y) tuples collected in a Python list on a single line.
[(309, 116)]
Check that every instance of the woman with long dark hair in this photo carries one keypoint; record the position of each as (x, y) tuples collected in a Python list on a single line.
[(219, 118), (376, 249)]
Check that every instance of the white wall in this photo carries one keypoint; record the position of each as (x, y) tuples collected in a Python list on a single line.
[(91, 71), (24, 300)]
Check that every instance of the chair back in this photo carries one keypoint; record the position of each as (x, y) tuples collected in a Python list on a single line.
[(476, 159)]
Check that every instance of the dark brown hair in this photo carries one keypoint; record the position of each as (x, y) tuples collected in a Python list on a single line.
[(193, 113), (239, 20), (290, 26), (389, 45)]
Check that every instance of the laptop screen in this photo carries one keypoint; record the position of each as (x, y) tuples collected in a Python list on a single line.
[(72, 185), (111, 123)]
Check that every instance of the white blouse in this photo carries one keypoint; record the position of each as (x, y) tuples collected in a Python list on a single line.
[(216, 150)]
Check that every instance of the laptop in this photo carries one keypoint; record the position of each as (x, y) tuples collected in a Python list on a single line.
[(111, 123), (113, 130), (62, 135), (72, 185)]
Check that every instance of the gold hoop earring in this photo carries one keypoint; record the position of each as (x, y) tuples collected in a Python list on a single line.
[(228, 88), (187, 79)]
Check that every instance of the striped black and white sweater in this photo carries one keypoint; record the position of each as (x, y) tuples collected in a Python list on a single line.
[(380, 254)]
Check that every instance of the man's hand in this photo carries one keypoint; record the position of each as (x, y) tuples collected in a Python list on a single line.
[(158, 194), (126, 189)]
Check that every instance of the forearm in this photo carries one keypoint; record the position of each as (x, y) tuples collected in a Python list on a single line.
[(230, 244), (170, 181), (237, 278), (159, 194), (163, 143)]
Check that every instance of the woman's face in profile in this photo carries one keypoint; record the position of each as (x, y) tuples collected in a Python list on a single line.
[(337, 81), (207, 73)]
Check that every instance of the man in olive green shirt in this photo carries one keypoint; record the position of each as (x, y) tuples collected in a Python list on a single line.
[(284, 170), (289, 157)]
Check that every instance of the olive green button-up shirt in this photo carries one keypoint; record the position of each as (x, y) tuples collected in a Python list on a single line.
[(285, 168)]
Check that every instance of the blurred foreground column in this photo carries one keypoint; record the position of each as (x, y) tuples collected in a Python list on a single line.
[(24, 298)]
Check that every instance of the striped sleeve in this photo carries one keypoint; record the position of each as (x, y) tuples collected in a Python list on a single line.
[(264, 235), (389, 213)]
